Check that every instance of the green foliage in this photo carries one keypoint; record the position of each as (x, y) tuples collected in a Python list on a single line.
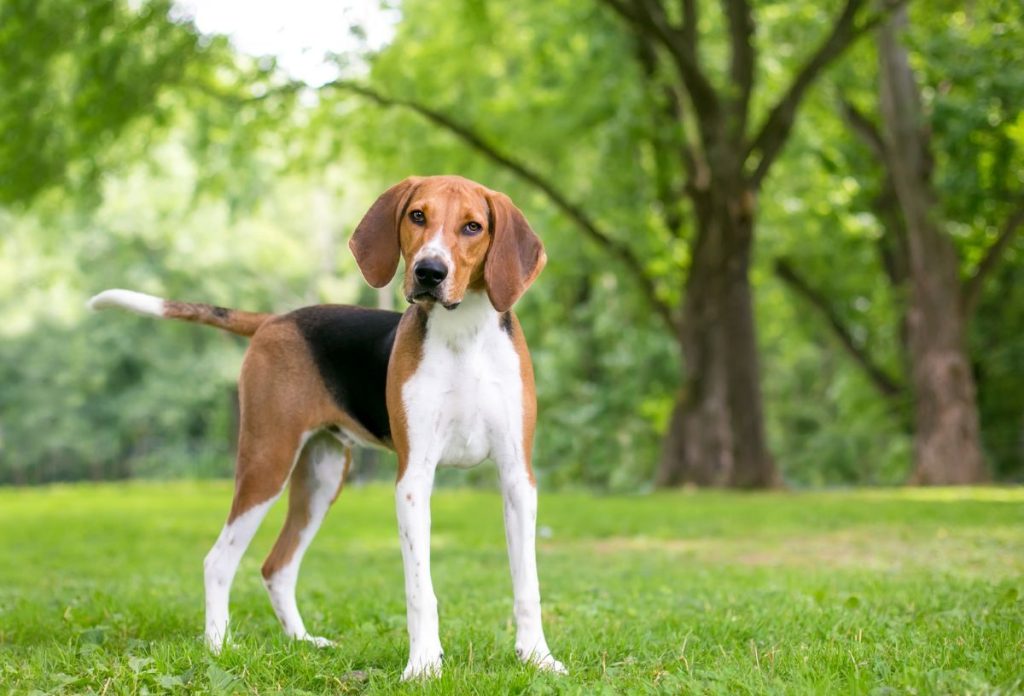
[(827, 422), (72, 77), (114, 395), (139, 154), (866, 592), (977, 117), (975, 114), (824, 216), (998, 346), (586, 123)]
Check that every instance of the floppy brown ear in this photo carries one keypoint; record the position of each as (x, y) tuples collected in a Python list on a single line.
[(516, 255), (375, 242)]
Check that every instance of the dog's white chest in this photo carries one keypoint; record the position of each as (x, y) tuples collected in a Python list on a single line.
[(465, 398)]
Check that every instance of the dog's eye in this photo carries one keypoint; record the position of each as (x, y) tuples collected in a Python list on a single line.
[(418, 217), (471, 228)]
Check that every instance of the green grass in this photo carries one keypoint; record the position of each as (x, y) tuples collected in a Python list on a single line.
[(894, 591)]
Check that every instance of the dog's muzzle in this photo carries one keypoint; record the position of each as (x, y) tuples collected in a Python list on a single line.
[(429, 274)]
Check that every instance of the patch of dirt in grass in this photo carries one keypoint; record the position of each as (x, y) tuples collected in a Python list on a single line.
[(997, 552), (614, 545)]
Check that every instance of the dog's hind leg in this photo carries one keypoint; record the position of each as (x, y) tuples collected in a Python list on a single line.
[(315, 483), (262, 471)]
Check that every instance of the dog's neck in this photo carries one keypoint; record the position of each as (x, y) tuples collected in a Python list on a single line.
[(465, 324)]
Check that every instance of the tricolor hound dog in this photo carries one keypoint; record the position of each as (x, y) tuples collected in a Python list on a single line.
[(447, 382)]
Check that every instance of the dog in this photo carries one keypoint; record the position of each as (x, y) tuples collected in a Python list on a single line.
[(447, 382)]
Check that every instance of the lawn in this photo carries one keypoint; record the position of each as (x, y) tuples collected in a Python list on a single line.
[(880, 591)]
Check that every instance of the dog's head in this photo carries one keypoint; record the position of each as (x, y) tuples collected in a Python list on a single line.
[(455, 235)]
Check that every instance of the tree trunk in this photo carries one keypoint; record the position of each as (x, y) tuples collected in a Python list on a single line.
[(947, 447), (716, 435)]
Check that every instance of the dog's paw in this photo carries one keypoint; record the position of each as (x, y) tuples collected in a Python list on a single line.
[(319, 641), (216, 642), (549, 664), (541, 659), (423, 667)]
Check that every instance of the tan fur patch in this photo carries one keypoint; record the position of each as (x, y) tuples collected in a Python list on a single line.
[(300, 492), (234, 320), (281, 397), (405, 359), (529, 392)]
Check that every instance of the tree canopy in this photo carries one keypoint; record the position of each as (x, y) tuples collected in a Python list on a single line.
[(139, 153)]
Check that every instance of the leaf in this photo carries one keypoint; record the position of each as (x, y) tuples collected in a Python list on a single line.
[(95, 635), (137, 664), (221, 681), (169, 681)]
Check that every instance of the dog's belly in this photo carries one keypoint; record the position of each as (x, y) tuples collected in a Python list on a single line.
[(465, 400)]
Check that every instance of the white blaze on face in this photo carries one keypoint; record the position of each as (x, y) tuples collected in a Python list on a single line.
[(436, 249)]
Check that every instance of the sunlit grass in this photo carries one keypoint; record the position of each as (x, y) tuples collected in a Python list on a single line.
[(1002, 495), (834, 592)]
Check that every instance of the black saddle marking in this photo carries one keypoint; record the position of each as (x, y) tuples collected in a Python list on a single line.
[(351, 347)]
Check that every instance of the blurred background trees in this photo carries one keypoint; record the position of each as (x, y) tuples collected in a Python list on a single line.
[(876, 149)]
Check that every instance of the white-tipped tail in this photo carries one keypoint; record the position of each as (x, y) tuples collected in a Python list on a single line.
[(137, 302)]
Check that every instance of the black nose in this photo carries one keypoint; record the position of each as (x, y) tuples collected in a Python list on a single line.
[(430, 272)]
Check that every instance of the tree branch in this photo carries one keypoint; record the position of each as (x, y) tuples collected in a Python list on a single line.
[(885, 384), (666, 116), (774, 133), (741, 64), (590, 228), (235, 99), (892, 245), (689, 28), (649, 19), (865, 129), (972, 286)]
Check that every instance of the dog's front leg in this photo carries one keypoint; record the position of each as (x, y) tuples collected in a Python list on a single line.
[(412, 501), (520, 498)]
